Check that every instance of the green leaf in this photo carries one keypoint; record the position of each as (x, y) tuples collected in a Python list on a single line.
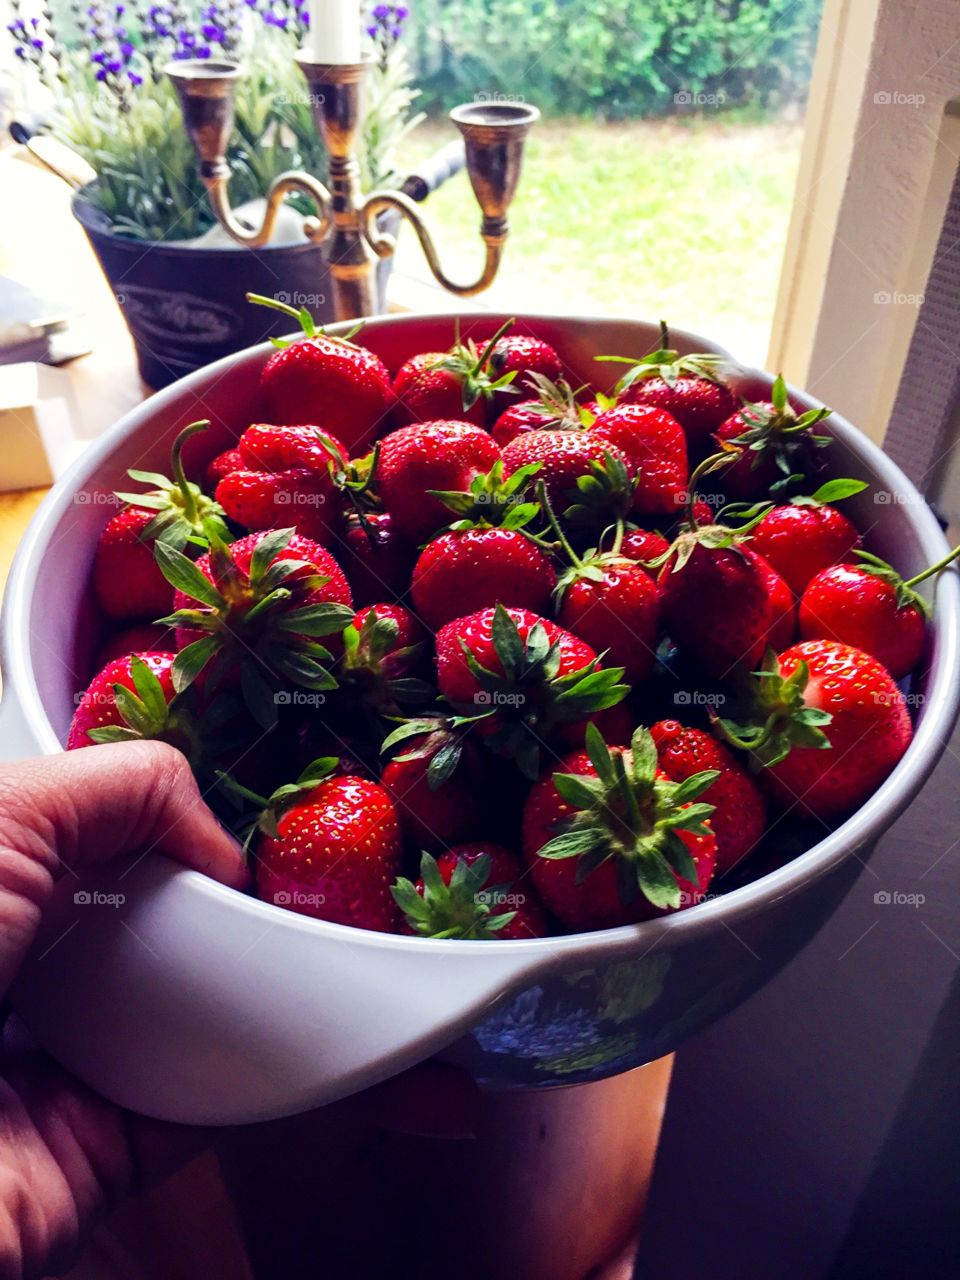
[(680, 859), (410, 729), (113, 733), (657, 881), (578, 791), (149, 689), (599, 754), (133, 712), (837, 490), (643, 753), (694, 786), (190, 661), (507, 642), (443, 763), (183, 575), (569, 844), (267, 550), (318, 619)]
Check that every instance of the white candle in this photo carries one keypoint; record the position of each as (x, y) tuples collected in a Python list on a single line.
[(334, 35)]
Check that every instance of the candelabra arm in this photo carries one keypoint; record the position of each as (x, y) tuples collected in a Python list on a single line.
[(294, 180), (493, 232)]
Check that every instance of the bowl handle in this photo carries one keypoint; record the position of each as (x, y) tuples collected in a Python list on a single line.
[(16, 738), (177, 998)]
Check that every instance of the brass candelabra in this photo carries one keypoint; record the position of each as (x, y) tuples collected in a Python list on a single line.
[(346, 221)]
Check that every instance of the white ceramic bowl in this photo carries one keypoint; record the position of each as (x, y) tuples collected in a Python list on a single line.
[(192, 1002)]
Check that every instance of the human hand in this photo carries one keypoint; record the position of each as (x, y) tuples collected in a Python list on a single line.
[(67, 1155)]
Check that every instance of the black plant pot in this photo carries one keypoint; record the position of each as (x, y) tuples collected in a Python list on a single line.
[(186, 307)]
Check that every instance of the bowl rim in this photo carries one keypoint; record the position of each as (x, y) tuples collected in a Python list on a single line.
[(933, 728)]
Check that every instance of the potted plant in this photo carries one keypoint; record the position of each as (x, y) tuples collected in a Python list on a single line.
[(180, 282)]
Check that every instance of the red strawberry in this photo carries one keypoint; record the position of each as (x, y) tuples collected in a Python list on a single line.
[(286, 478), (432, 783), (467, 570), (715, 599), (554, 409), (643, 545), (333, 853), (611, 840), (337, 384), (805, 536), (426, 457), (382, 654), (689, 388), (376, 560), (739, 810), (126, 579), (772, 442), (568, 457), (142, 637), (523, 357), (257, 607), (472, 891), (141, 713), (448, 384), (611, 602), (616, 614), (782, 624), (827, 722), (222, 465), (654, 446), (868, 605), (525, 676)]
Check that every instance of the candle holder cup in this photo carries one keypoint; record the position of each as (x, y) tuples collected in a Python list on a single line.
[(346, 223)]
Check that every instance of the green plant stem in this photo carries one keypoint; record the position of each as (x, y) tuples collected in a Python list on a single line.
[(564, 542), (176, 463), (934, 568)]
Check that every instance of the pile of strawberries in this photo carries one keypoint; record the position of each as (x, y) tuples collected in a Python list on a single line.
[(470, 652)]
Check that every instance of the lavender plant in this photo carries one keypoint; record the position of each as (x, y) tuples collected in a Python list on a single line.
[(103, 67)]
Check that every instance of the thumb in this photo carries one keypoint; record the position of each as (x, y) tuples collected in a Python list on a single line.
[(61, 813)]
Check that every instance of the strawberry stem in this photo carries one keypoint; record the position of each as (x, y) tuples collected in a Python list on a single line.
[(486, 352), (934, 568), (715, 462), (547, 506), (176, 465), (260, 301)]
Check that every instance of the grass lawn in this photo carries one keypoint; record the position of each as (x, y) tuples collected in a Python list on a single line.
[(648, 219)]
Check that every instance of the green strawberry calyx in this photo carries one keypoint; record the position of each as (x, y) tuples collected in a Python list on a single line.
[(593, 565), (461, 909), (604, 494), (183, 512), (773, 715), (375, 669), (781, 433), (146, 713), (260, 815), (906, 596), (717, 535), (529, 699), (666, 363), (254, 619), (439, 740), (558, 400), (492, 501), (306, 321), (470, 365), (626, 811)]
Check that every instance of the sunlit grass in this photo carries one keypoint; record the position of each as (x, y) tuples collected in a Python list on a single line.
[(647, 219)]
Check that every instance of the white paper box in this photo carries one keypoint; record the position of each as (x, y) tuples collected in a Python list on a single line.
[(37, 413)]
